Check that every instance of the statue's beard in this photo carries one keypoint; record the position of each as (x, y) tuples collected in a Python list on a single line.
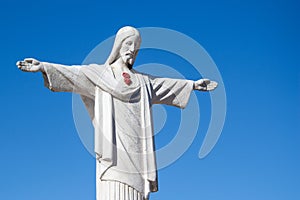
[(129, 66), (130, 62)]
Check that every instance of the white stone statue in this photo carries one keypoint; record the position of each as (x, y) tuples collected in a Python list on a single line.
[(119, 100)]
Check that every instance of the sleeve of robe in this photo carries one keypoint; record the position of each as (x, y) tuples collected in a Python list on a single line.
[(175, 92), (61, 78)]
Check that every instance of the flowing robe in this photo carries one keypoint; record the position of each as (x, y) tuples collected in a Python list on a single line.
[(121, 116)]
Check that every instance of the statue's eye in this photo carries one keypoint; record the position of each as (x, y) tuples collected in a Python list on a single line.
[(129, 43)]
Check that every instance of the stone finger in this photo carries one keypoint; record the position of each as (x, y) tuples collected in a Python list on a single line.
[(29, 60)]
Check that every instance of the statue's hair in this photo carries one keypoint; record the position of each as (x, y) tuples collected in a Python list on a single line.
[(122, 35)]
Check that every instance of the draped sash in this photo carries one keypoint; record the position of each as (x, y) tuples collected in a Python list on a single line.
[(107, 88)]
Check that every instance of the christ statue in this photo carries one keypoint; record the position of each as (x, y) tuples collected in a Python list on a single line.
[(119, 100)]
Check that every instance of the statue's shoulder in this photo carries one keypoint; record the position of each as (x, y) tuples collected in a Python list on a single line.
[(94, 65), (147, 78), (92, 70), (137, 73), (144, 75)]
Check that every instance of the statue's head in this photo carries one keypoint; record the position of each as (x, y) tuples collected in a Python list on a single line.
[(126, 46)]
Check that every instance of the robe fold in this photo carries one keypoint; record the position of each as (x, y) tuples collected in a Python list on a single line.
[(121, 116)]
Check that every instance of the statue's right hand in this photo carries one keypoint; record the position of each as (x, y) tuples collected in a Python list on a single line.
[(29, 65)]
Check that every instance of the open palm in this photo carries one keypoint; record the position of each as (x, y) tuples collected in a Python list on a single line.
[(29, 65)]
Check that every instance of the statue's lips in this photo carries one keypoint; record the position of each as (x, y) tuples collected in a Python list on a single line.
[(129, 55)]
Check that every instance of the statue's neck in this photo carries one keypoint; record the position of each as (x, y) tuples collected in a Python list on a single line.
[(118, 67)]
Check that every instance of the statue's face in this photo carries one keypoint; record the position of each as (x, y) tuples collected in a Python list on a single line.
[(129, 50)]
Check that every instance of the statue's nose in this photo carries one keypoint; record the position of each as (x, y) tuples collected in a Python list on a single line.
[(131, 48)]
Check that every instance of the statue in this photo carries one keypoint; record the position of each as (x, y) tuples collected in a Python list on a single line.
[(118, 99)]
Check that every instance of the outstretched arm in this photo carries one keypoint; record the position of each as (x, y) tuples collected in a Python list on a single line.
[(176, 92), (60, 78)]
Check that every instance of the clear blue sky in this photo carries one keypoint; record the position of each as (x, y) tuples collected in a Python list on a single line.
[(255, 45)]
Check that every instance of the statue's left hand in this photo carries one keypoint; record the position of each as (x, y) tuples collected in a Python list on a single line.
[(29, 65), (205, 85)]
